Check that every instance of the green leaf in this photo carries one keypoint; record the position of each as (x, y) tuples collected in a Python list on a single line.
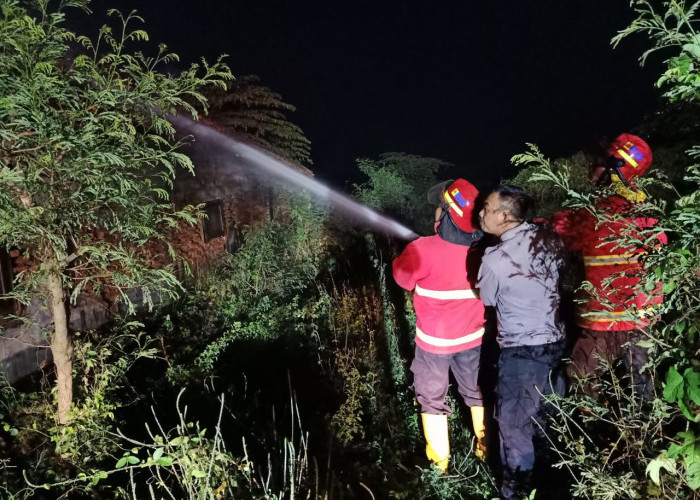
[(673, 389), (692, 475), (166, 461), (97, 477), (680, 326), (198, 473), (157, 454), (132, 460), (669, 286), (693, 49), (692, 379), (654, 468), (120, 463)]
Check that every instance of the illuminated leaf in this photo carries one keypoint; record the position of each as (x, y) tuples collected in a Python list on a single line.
[(654, 468)]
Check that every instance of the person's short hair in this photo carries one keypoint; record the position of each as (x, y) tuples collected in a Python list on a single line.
[(514, 200)]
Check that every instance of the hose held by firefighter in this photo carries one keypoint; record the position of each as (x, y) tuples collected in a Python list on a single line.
[(449, 317)]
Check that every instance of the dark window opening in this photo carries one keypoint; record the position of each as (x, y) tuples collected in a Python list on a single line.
[(213, 224), (6, 305), (5, 272), (234, 239)]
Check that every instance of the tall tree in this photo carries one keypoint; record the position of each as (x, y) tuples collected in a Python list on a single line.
[(84, 149), (256, 112)]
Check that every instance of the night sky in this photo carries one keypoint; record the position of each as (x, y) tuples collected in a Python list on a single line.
[(466, 82)]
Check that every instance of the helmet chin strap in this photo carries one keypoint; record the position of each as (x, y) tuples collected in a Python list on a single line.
[(621, 189), (448, 231)]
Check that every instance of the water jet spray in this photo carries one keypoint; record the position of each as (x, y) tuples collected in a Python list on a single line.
[(255, 159)]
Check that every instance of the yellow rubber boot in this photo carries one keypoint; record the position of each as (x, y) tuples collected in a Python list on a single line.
[(437, 438), (479, 431)]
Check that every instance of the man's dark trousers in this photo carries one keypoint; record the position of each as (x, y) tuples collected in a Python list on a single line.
[(525, 374)]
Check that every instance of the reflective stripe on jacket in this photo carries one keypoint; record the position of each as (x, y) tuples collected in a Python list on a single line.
[(438, 342), (449, 314)]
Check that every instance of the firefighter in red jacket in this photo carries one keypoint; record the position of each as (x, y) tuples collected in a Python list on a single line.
[(613, 312), (449, 317)]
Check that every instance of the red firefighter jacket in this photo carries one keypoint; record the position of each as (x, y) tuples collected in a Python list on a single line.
[(449, 316), (615, 303)]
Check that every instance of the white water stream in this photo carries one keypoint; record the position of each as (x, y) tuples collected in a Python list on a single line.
[(258, 161)]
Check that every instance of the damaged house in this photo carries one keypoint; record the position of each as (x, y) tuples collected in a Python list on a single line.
[(232, 191)]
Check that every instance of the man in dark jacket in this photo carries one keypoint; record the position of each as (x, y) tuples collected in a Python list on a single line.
[(520, 278)]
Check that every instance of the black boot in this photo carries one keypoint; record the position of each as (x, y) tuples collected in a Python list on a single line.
[(516, 485)]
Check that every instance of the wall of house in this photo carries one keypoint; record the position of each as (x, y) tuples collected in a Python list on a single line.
[(189, 240)]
